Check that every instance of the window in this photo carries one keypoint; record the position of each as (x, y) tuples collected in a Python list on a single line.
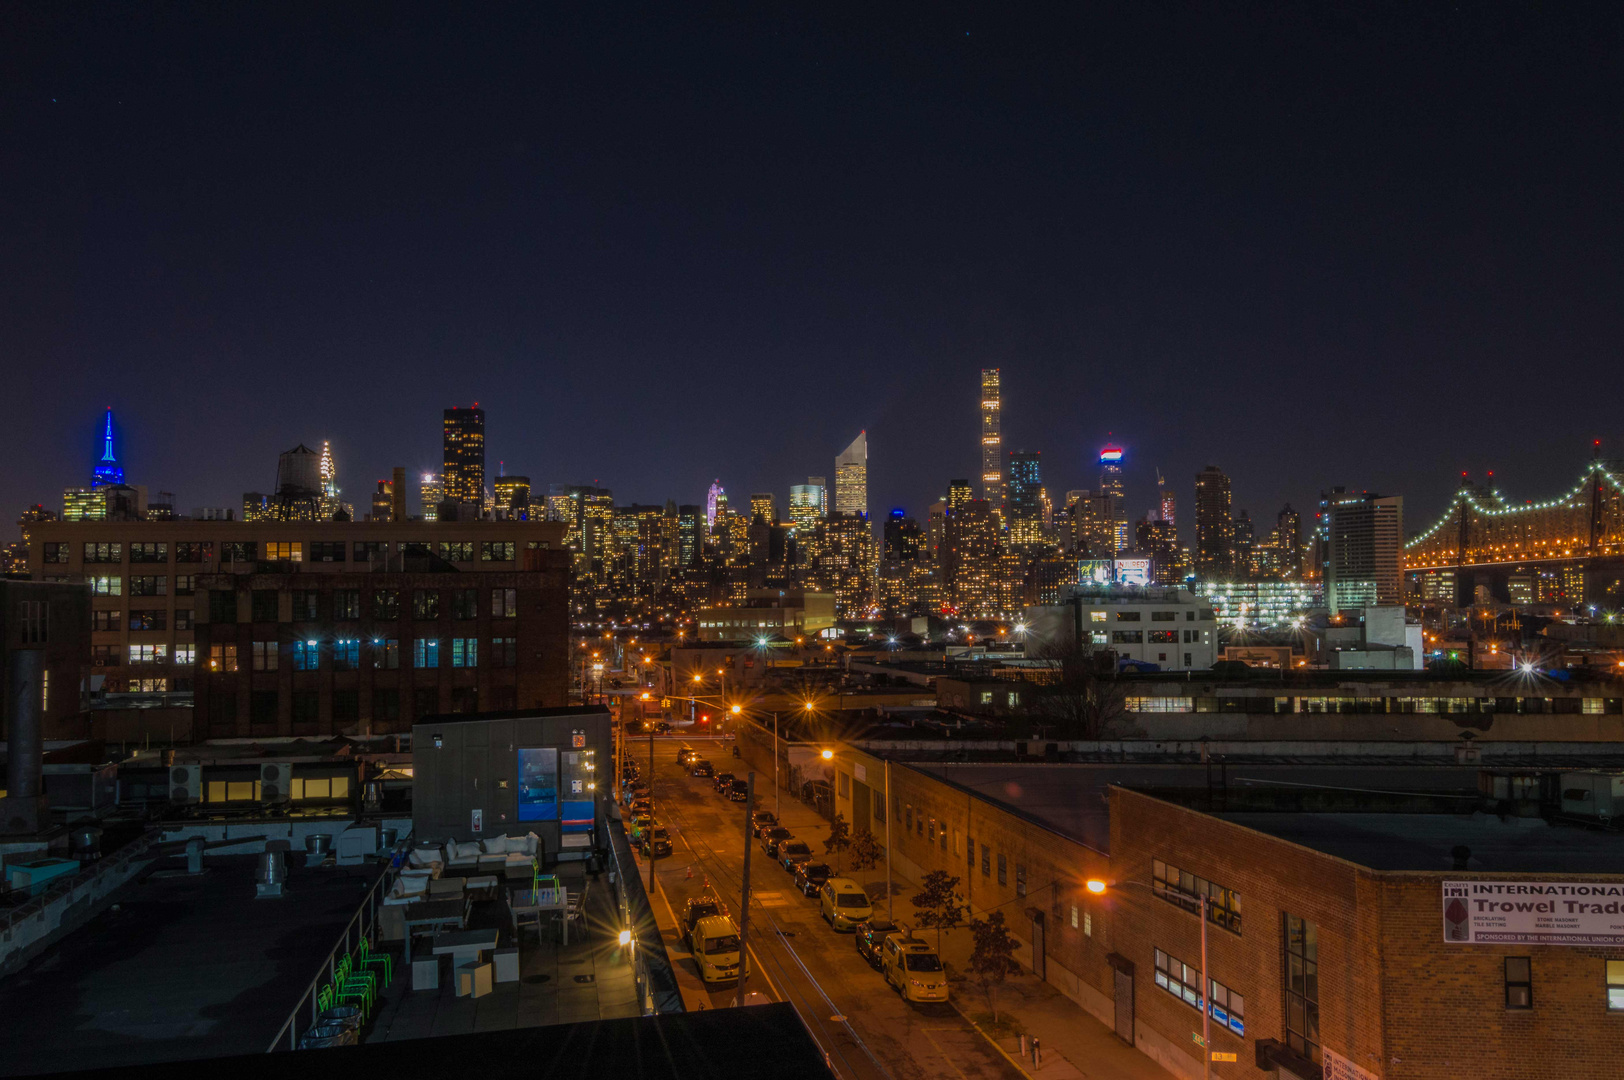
[(149, 654), (264, 656), (1184, 982), (1020, 879), (222, 606), (1519, 982), (285, 552), (184, 618), (327, 551), (465, 604), (1615, 985), (1159, 704), (1097, 637), (106, 620), (385, 705), (457, 551), (425, 701), (425, 604), (1074, 916), (306, 709), (1164, 616), (504, 652), (149, 553), (194, 551), (55, 551), (367, 550), (504, 603), (305, 603), (346, 654), (426, 652), (386, 604), (149, 619), (1190, 637), (465, 699), (149, 585), (930, 832), (239, 551), (1003, 876), (385, 654), (1302, 986), (346, 707), (464, 652), (346, 604), (1096, 616), (970, 848), (986, 861), (185, 655), (320, 787), (986, 697), (219, 791), (907, 819), (1088, 924), (843, 783), (1185, 889), (262, 605), (306, 655), (107, 585), (262, 707), (1164, 637), (185, 584), (496, 551), (104, 553), (104, 655), (1127, 637), (1127, 616)]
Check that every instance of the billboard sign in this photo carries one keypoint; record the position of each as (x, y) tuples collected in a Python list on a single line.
[(538, 783), (1129, 571), (1533, 913), (1338, 1067)]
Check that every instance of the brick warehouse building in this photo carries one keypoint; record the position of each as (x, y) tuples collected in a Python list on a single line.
[(1327, 944), (143, 575), (317, 654)]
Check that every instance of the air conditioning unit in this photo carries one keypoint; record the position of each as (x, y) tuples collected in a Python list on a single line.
[(276, 782), (186, 783)]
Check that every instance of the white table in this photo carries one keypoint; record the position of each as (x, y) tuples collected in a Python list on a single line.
[(523, 900)]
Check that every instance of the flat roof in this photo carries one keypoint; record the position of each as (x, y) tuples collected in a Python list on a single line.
[(186, 967), (1425, 841), (1070, 798)]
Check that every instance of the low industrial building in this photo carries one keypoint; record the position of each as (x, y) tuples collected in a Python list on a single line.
[(1149, 628), (768, 615)]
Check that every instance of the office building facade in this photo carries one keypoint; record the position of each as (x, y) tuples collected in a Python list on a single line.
[(1214, 525), (992, 440), (463, 476), (1364, 536), (851, 477)]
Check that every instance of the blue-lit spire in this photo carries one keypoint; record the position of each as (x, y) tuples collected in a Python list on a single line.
[(108, 471)]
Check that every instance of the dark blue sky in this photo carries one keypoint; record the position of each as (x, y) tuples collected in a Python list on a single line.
[(1369, 244)]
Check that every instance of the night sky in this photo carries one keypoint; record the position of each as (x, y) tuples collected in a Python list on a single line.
[(1312, 244)]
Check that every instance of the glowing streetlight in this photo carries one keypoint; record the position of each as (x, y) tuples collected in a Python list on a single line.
[(737, 709), (828, 755)]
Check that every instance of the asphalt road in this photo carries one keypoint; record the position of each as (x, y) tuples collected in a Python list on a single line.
[(865, 1028)]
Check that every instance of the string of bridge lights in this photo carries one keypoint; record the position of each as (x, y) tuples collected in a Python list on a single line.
[(1564, 500)]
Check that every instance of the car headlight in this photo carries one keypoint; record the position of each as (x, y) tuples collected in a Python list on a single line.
[(916, 982)]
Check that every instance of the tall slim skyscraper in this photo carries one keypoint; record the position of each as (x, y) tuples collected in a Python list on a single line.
[(1364, 561), (1168, 504), (1023, 510), (851, 477), (464, 472), (1243, 544), (107, 470), (1288, 532), (1214, 525), (822, 484), (992, 440), (430, 493), (1112, 499), (715, 502)]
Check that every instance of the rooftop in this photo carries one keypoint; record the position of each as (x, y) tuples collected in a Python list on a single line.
[(1426, 841)]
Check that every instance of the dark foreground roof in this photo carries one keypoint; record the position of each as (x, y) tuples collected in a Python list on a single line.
[(765, 1041)]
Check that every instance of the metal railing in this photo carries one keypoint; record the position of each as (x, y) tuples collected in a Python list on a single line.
[(354, 931), (36, 906)]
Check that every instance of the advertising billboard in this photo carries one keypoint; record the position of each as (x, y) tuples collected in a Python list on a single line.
[(1533, 913), (538, 783), (1130, 571)]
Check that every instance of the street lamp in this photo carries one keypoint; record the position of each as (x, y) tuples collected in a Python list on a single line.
[(1098, 887), (828, 755)]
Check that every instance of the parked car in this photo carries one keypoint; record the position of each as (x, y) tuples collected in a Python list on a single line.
[(790, 850), (687, 755), (701, 768), (738, 790), (771, 838), (661, 727), (640, 822), (913, 968), (655, 841), (844, 904), (870, 936), (642, 804), (810, 876), (716, 949), (699, 907), (762, 820), (722, 781), (815, 791), (639, 787)]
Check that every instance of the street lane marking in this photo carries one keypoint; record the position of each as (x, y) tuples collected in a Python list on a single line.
[(942, 1052)]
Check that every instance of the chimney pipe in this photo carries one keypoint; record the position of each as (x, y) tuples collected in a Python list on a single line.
[(24, 809)]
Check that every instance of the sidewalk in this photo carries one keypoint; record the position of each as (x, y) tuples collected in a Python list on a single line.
[(1074, 1043)]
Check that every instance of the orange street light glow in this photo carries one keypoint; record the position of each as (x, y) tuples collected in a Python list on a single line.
[(1096, 886)]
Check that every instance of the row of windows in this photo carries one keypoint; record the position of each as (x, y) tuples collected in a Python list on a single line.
[(344, 654), (345, 705), (1186, 889), (141, 584), (1155, 616), (1364, 705), (1184, 982), (310, 605), (143, 655)]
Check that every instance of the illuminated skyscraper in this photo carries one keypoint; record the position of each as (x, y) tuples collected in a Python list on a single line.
[(1288, 543), (107, 470), (1214, 526), (715, 502), (513, 495), (806, 504), (851, 477), (1364, 561), (959, 494), (762, 505), (464, 472), (822, 484), (1023, 511), (429, 493), (1111, 509), (992, 440), (1168, 503)]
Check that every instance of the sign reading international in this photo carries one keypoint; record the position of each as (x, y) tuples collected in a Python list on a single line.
[(1338, 1067), (1533, 913)]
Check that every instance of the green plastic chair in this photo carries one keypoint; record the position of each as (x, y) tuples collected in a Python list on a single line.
[(352, 992), (349, 978), (367, 960)]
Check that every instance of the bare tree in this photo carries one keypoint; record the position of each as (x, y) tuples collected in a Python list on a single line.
[(992, 959), (1078, 694)]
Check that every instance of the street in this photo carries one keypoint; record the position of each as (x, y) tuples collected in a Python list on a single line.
[(864, 1027)]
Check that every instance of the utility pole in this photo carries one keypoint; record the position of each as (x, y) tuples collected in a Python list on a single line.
[(890, 904), (1206, 998), (648, 842), (778, 787), (744, 892)]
